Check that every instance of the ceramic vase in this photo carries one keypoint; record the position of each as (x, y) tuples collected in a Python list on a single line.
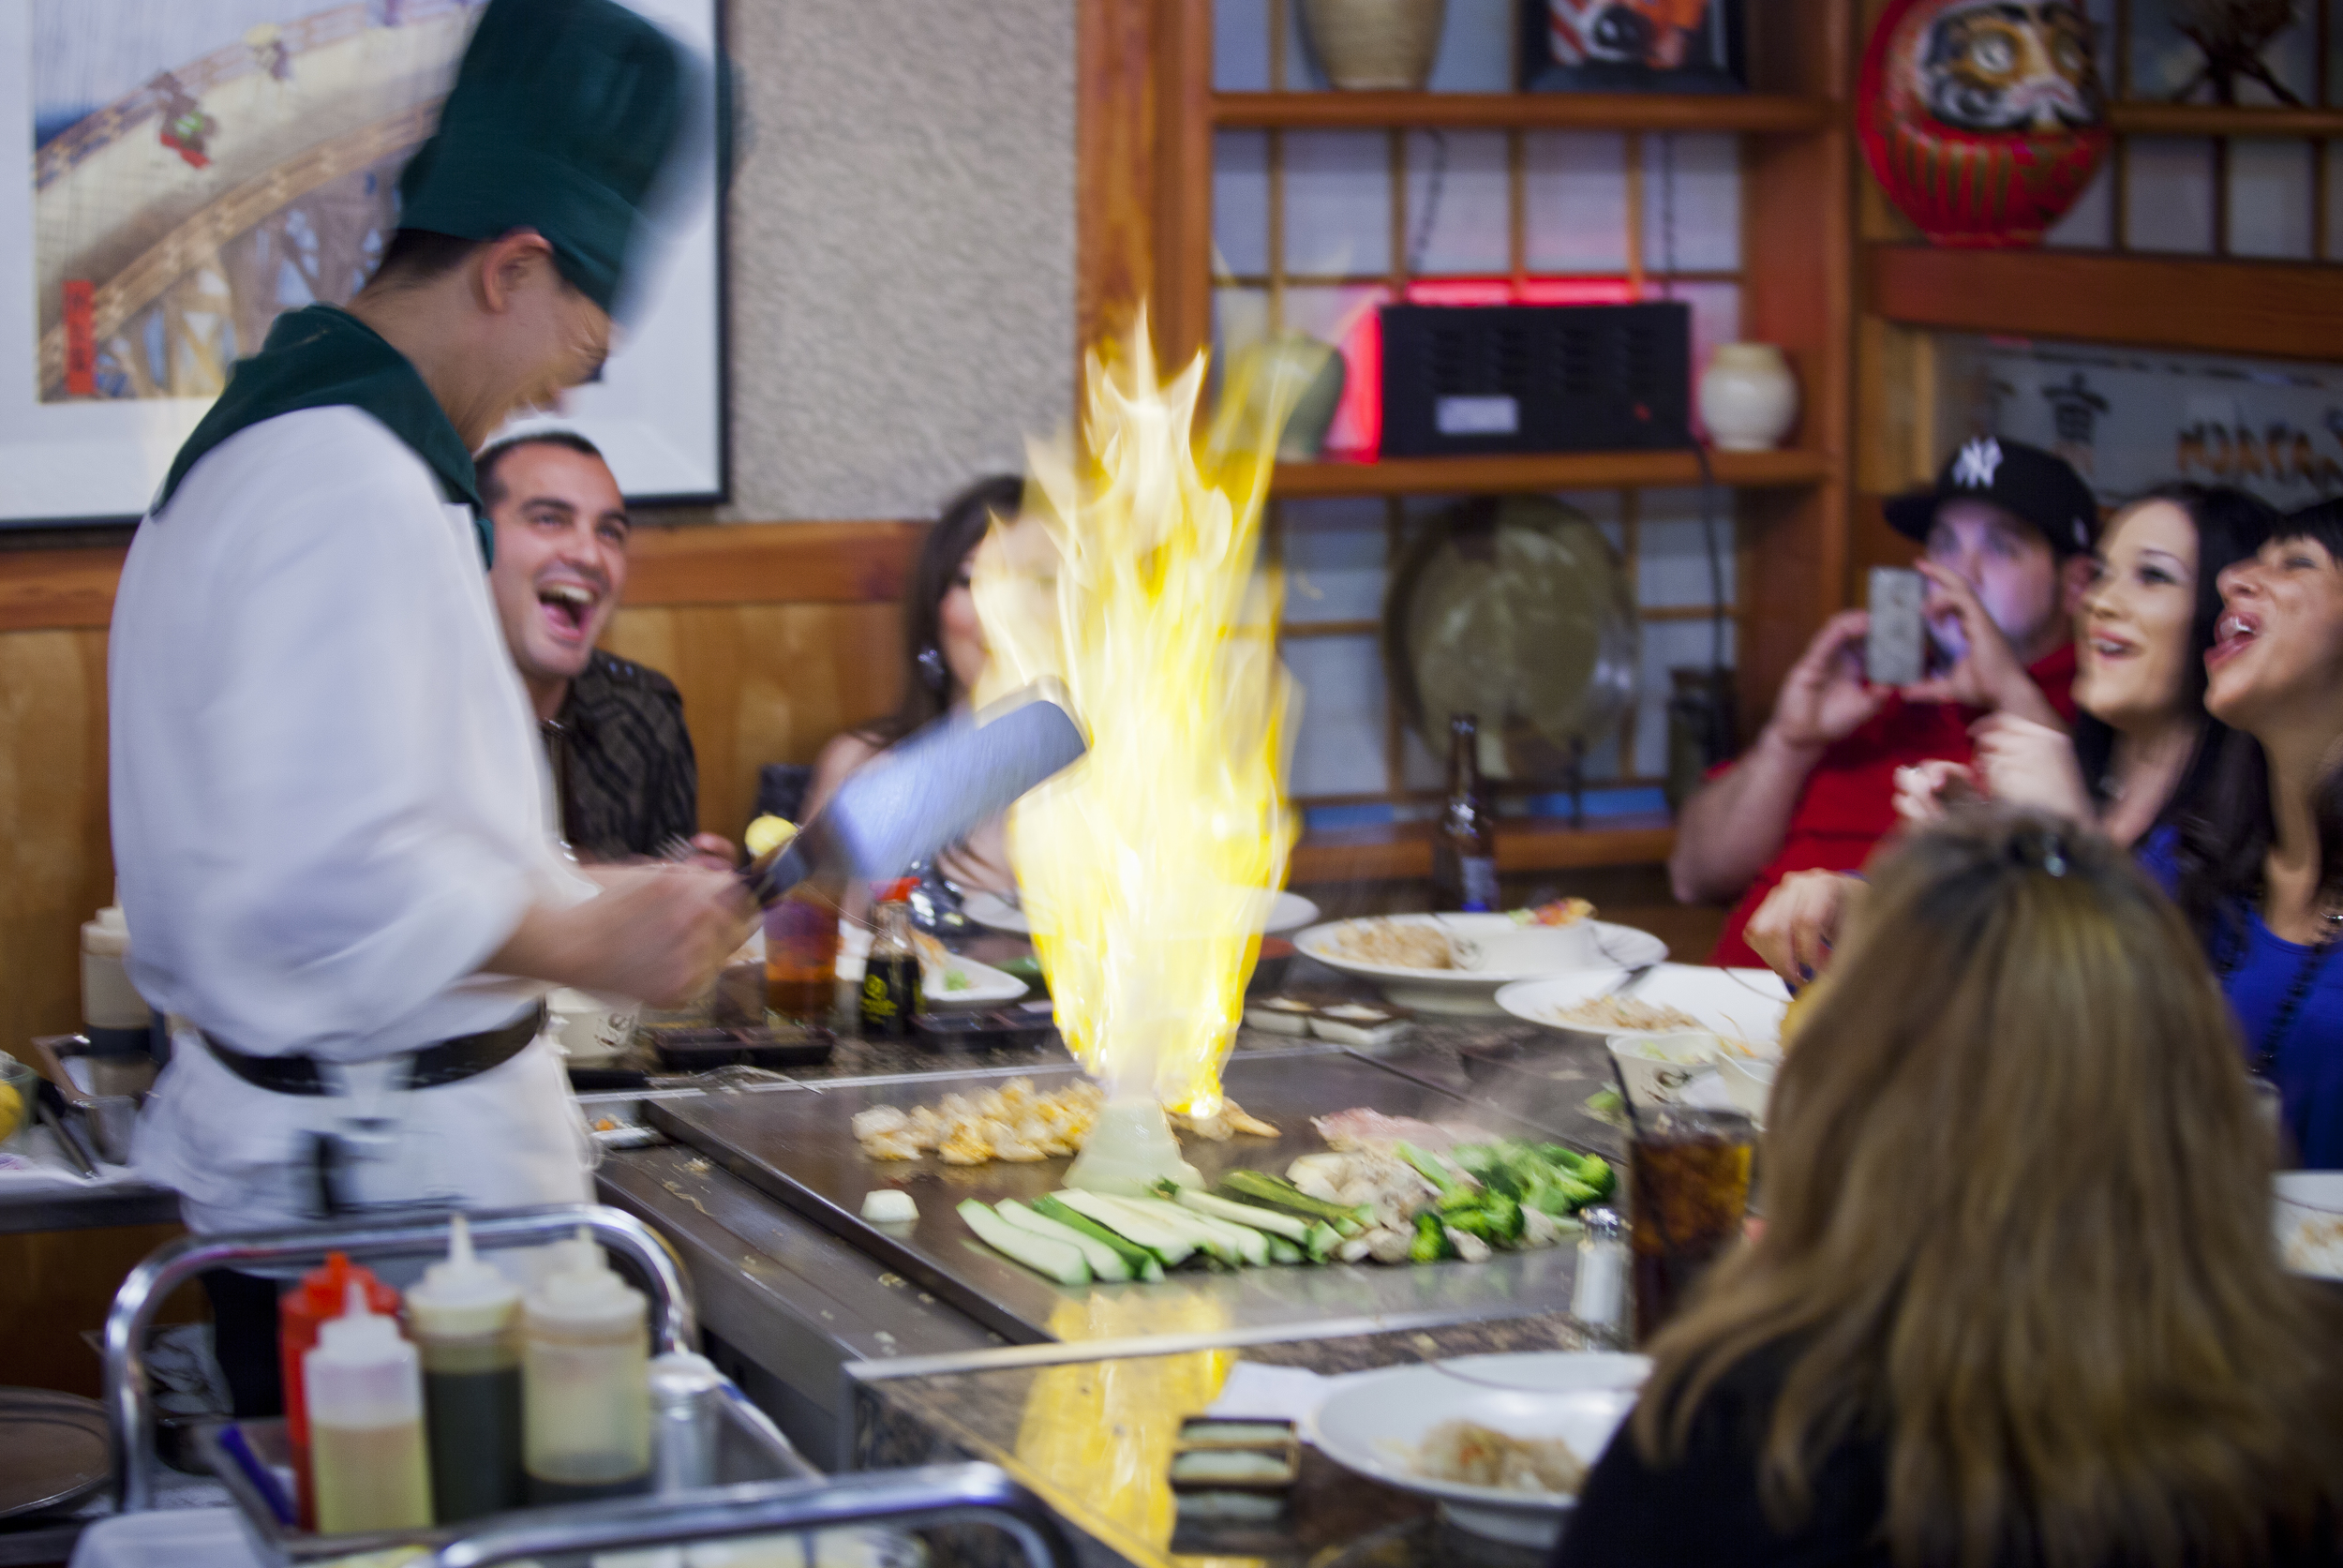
[(1982, 131), (1748, 397), (1370, 46)]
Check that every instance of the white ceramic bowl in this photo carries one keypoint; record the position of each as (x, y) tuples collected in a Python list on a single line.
[(1508, 953), (2309, 1217), (1748, 1081), (1744, 1004), (1374, 1424), (1657, 1068), (590, 1029)]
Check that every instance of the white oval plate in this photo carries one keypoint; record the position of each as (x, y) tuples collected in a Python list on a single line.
[(2309, 1217), (1374, 1424), (1287, 912), (1508, 953), (1744, 1004)]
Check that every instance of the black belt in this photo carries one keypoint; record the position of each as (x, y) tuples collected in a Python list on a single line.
[(448, 1062)]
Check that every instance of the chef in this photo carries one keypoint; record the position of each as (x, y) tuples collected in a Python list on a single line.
[(329, 806)]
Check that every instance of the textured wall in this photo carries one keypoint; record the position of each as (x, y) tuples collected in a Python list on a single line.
[(902, 248)]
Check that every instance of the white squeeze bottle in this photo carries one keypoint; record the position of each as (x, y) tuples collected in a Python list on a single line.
[(585, 1381), (365, 1425)]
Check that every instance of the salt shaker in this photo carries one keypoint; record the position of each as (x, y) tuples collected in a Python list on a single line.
[(1599, 1297), (684, 1391)]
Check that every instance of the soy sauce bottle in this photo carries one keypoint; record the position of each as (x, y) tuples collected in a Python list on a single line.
[(890, 977)]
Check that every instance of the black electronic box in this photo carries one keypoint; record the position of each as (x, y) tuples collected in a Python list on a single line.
[(1460, 381)]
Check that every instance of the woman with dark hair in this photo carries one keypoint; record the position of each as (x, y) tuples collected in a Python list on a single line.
[(2258, 872), (2016, 1300), (945, 652), (2142, 752)]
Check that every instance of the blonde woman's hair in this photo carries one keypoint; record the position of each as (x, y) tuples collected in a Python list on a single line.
[(2017, 1203)]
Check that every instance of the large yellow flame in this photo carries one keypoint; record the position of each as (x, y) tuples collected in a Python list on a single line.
[(1135, 579)]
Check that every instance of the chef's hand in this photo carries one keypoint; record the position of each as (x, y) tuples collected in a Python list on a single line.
[(714, 851), (2026, 764), (1989, 673), (657, 934), (1926, 790), (1793, 930)]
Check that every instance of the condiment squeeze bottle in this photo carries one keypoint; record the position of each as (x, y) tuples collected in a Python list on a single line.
[(585, 1381), (321, 1294), (365, 1425), (465, 1316)]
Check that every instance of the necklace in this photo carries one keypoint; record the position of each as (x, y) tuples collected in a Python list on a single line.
[(2306, 973)]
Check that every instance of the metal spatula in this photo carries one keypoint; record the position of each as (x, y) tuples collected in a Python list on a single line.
[(926, 791)]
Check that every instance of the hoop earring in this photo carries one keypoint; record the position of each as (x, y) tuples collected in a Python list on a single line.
[(933, 673)]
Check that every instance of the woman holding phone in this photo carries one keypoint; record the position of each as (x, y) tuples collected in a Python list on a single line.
[(2143, 751)]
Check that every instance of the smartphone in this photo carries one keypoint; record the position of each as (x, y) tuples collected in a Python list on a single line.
[(1895, 653)]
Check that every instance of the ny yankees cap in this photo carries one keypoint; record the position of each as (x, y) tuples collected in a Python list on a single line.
[(2025, 481)]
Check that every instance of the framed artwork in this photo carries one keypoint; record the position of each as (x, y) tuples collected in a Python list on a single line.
[(197, 167), (1632, 46)]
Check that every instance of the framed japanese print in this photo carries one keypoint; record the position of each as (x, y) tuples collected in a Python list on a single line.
[(192, 167)]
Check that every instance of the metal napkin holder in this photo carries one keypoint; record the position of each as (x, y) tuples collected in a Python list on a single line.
[(773, 1490)]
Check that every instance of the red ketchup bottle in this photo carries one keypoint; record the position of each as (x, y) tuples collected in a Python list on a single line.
[(322, 1294)]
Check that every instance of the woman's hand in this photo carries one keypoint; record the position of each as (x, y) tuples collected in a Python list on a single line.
[(2026, 763), (1793, 930), (1989, 674), (1926, 790)]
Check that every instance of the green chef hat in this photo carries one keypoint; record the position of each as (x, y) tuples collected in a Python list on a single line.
[(563, 115)]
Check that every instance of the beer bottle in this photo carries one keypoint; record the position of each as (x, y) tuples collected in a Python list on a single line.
[(1464, 850)]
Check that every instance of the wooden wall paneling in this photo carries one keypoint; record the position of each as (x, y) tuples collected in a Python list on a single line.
[(1181, 311), (56, 866), (50, 589), (1115, 168), (765, 684)]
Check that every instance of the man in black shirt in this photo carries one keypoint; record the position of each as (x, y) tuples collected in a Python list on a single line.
[(623, 762)]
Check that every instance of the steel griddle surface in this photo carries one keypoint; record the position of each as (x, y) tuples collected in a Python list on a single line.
[(798, 1148)]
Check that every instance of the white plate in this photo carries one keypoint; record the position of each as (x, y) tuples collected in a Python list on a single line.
[(1374, 1424), (986, 986), (2309, 1217), (1744, 1004), (1509, 953), (1287, 912)]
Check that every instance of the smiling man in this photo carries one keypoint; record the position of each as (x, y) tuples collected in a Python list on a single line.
[(2005, 536), (623, 769)]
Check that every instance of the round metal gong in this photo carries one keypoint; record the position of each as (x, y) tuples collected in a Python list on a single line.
[(1518, 610)]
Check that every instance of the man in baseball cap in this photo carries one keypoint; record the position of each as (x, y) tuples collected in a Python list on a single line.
[(2008, 533)]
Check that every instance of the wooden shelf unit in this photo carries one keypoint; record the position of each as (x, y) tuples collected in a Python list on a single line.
[(1559, 471), (2138, 118), (1755, 113), (1403, 851)]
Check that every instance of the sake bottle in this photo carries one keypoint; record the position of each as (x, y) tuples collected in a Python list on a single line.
[(365, 1425), (584, 1383), (465, 1316)]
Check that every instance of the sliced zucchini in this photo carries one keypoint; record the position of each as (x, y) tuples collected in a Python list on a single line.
[(1170, 1247), (1250, 1246), (1060, 1261), (1142, 1263), (1106, 1262), (1291, 1226)]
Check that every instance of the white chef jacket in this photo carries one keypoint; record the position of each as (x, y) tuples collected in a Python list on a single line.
[(330, 807)]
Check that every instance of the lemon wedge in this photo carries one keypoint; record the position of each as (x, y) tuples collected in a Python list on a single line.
[(11, 1110), (767, 834)]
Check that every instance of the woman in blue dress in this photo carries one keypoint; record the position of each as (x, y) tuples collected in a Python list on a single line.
[(2260, 870)]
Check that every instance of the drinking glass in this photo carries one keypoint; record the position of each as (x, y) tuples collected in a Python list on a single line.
[(801, 959), (1688, 1186)]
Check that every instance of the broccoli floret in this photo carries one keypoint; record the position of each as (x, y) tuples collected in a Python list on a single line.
[(1431, 1242)]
